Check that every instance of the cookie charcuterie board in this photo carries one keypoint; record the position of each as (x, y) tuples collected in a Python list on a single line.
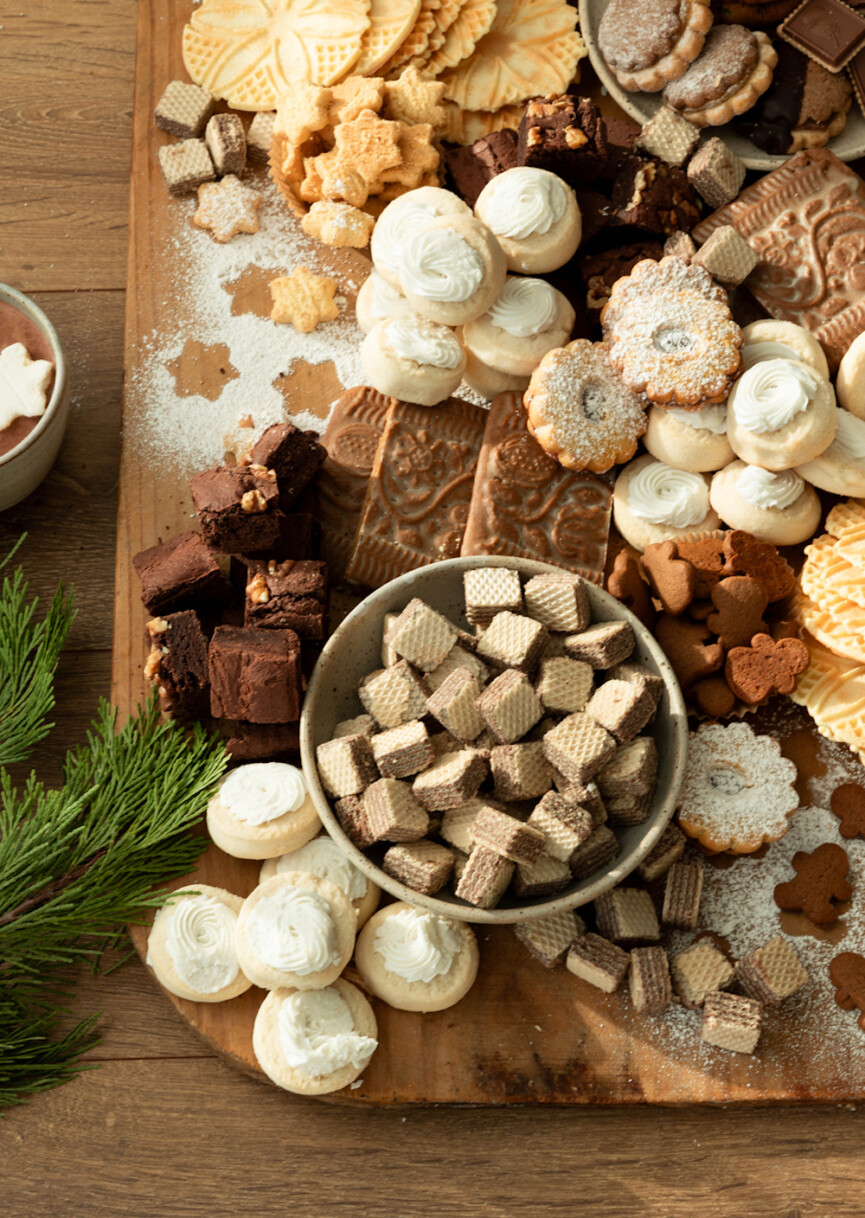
[(199, 353)]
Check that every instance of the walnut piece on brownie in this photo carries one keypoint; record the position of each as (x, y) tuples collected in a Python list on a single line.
[(772, 972), (509, 706), (699, 970), (565, 135), (731, 1021), (424, 866), (597, 961), (485, 878), (393, 695), (513, 839), (602, 644), (454, 704), (682, 893), (549, 938), (295, 455), (649, 979), (393, 813), (491, 590), (404, 750), (627, 915), (293, 594), (421, 635), (177, 664), (559, 602), (564, 685), (346, 765), (237, 507), (513, 641), (450, 780)]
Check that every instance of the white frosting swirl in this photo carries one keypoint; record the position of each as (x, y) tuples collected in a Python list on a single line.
[(322, 857), (439, 264), (771, 394), (424, 342), (764, 489), (758, 353), (200, 941), (669, 496), (850, 435), (263, 791), (317, 1033), (524, 201), (385, 301), (417, 946), (525, 307), (707, 418), (293, 930), (394, 228)]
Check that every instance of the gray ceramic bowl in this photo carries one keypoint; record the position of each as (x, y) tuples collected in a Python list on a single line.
[(354, 649)]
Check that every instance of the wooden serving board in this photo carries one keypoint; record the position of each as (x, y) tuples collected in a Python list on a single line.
[(523, 1035)]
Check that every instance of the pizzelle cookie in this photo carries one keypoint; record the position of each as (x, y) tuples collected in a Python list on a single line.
[(650, 42), (452, 269), (262, 810), (322, 857), (535, 217), (467, 126), (390, 21), (781, 414), (780, 508), (732, 71), (413, 359), (473, 19), (416, 961), (694, 440), (314, 1042), (528, 318), (653, 502), (191, 946)]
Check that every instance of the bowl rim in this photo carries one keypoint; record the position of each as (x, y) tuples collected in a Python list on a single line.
[(24, 304)]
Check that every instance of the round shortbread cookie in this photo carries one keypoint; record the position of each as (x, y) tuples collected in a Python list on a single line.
[(269, 1047), (488, 382), (734, 69), (647, 43), (452, 269), (262, 810), (191, 946), (528, 318), (771, 339), (788, 509), (417, 946), (413, 359), (781, 414), (850, 381), (378, 301), (534, 216), (295, 930), (840, 469), (390, 23), (676, 437), (402, 218), (322, 857), (653, 502)]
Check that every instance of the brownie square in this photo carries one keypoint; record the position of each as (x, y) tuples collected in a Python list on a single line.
[(471, 168), (262, 741), (600, 271), (288, 594), (564, 135), (295, 455), (654, 196), (177, 664), (237, 507), (180, 573), (255, 675), (620, 134)]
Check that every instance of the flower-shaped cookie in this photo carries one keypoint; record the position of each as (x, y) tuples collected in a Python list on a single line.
[(738, 790)]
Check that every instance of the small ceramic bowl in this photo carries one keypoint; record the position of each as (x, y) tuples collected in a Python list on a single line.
[(23, 467), (354, 649)]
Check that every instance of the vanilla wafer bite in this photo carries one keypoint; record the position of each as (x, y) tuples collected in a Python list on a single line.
[(549, 938), (491, 590), (731, 1021), (699, 970), (602, 644), (183, 109), (535, 216), (351, 814), (388, 655), (421, 635), (452, 269), (450, 780), (559, 602), (588, 797), (485, 878), (423, 866), (456, 823), (413, 358), (297, 930), (226, 143), (629, 809), (545, 876), (772, 972), (649, 979), (627, 915), (668, 849), (682, 892), (632, 770), (597, 961), (638, 675), (262, 810), (402, 218), (360, 725), (566, 827), (191, 948), (623, 709), (599, 849), (520, 771), (511, 838), (416, 961), (564, 685), (322, 857), (454, 704), (459, 656), (392, 696), (578, 747), (393, 814), (346, 765), (402, 751), (509, 706), (512, 641)]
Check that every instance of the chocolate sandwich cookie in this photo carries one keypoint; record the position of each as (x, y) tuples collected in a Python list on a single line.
[(804, 107), (650, 42), (733, 70)]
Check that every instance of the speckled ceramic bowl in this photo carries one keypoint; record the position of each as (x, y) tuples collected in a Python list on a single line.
[(354, 649)]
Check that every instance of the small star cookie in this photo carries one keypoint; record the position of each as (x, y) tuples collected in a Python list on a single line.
[(303, 299), (227, 208), (23, 384), (338, 224), (368, 144), (414, 99)]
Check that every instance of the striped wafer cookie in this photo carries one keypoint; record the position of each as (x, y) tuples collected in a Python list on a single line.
[(835, 622), (827, 570), (845, 516)]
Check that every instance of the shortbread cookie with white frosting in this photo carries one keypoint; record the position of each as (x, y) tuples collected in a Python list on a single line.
[(452, 269), (653, 502), (771, 339), (262, 810), (780, 507), (413, 359), (488, 382), (528, 318), (378, 301), (841, 468), (417, 961), (322, 857), (780, 414), (694, 440), (191, 946), (297, 930), (534, 215), (850, 381), (313, 1042), (401, 219)]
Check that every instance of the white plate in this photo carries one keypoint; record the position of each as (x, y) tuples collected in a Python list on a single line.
[(849, 145)]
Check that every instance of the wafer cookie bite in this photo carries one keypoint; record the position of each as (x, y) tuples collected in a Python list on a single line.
[(694, 440), (652, 502), (414, 359), (597, 961), (732, 1022), (781, 414), (423, 866), (416, 961), (322, 857), (549, 938), (840, 469), (534, 215), (452, 269), (771, 973), (401, 219), (191, 946), (699, 970), (262, 810), (295, 930), (314, 1042), (378, 301), (780, 508), (528, 318)]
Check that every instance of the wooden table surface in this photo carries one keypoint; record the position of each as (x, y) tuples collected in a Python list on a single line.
[(163, 1127)]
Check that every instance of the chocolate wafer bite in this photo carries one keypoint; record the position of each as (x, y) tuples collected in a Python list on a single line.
[(404, 750), (393, 695), (597, 961), (602, 644), (485, 878), (559, 602), (259, 135), (627, 915), (716, 172), (185, 166), (454, 704), (682, 894), (597, 851), (360, 725), (423, 866), (668, 849), (457, 822), (520, 771), (623, 709), (346, 765), (351, 814), (543, 877), (578, 747), (549, 938), (564, 685), (183, 109), (226, 143), (393, 814), (509, 706), (698, 970), (512, 641), (450, 780), (588, 797), (562, 839), (459, 656), (421, 635), (731, 1021), (514, 840), (772, 972), (636, 674), (649, 979), (668, 136), (388, 654), (491, 590), (629, 809), (632, 770), (727, 256)]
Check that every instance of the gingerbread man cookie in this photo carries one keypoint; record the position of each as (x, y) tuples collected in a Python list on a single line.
[(847, 974), (745, 554), (755, 673), (740, 602), (628, 585), (689, 648), (848, 804), (821, 880), (673, 579)]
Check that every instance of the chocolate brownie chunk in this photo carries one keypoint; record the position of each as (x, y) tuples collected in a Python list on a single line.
[(180, 573), (654, 196), (295, 455), (237, 507), (565, 135), (803, 99), (255, 675), (262, 741), (288, 594), (177, 664), (600, 271), (595, 212), (471, 168), (621, 135)]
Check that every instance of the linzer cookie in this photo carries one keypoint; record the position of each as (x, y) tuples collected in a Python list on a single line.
[(418, 491), (648, 42)]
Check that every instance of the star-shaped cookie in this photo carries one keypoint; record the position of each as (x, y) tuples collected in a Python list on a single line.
[(303, 299), (227, 208), (23, 384), (414, 99)]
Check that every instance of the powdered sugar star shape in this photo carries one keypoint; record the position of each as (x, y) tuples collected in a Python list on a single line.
[(23, 384), (227, 208)]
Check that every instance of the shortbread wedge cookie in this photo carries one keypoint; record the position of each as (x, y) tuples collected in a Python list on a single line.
[(262, 810), (191, 946), (316, 1041), (416, 961), (295, 930), (322, 857)]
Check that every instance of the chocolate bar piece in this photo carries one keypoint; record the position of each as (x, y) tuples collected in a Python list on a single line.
[(454, 704), (288, 594), (183, 109), (496, 830), (491, 590), (419, 489), (393, 695), (731, 1022), (520, 771), (524, 504), (668, 849), (699, 970), (623, 709), (682, 894), (772, 972), (226, 143), (541, 878), (602, 644), (509, 706), (485, 878), (237, 507), (598, 962), (185, 166), (549, 938), (564, 685), (627, 915), (392, 812), (578, 747), (180, 573), (565, 135), (177, 665), (263, 741), (423, 866), (404, 750), (597, 851), (450, 780), (259, 134), (255, 675), (472, 167), (421, 635), (346, 765), (294, 455), (649, 979), (826, 30)]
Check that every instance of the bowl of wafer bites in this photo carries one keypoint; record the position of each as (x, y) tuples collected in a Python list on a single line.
[(493, 739)]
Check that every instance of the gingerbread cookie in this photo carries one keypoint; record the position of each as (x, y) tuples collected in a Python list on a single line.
[(733, 69), (527, 319), (672, 579), (452, 269), (781, 414), (706, 556), (413, 359), (650, 42), (847, 974), (780, 508), (745, 554), (535, 217), (740, 603), (695, 440), (764, 668), (690, 648), (821, 880), (848, 804), (628, 585), (653, 502)]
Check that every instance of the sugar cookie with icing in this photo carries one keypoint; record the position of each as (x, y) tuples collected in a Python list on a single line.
[(452, 269), (781, 414), (417, 961), (771, 339), (401, 219), (653, 502), (413, 359), (324, 858), (191, 946), (378, 301), (488, 382), (780, 508), (841, 468), (694, 440), (528, 319), (535, 217), (850, 381), (261, 810)]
